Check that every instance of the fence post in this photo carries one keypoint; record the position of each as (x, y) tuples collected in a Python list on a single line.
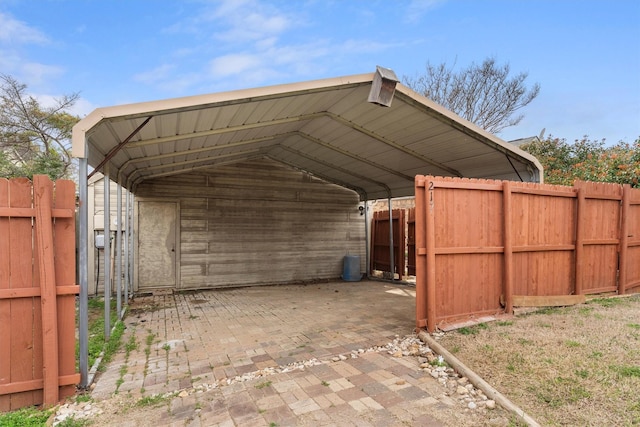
[(421, 258), (624, 239), (43, 200), (579, 251), (431, 256), (508, 248)]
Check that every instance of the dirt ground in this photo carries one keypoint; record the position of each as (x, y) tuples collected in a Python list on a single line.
[(570, 366)]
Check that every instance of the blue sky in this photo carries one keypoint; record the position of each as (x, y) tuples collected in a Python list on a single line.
[(584, 54)]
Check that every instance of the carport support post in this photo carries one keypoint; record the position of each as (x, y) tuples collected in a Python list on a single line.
[(367, 253), (126, 247), (131, 239), (83, 271), (391, 257), (119, 250), (107, 255)]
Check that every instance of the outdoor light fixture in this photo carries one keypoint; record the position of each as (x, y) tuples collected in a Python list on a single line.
[(383, 86)]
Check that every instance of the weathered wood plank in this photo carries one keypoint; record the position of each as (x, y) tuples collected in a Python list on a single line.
[(547, 300), (24, 333), (43, 201), (65, 257)]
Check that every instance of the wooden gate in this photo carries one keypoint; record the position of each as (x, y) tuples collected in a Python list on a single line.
[(486, 246), (380, 256), (37, 292)]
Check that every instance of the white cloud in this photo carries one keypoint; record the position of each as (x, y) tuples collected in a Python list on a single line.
[(81, 108), (245, 43), (236, 21), (156, 75), (365, 46), (227, 65), (17, 32), (35, 73), (417, 8)]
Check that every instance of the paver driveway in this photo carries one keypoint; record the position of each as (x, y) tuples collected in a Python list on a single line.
[(189, 345)]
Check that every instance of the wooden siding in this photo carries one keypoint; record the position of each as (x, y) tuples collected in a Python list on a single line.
[(259, 222)]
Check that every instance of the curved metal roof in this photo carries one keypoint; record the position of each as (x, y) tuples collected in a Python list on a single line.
[(324, 127)]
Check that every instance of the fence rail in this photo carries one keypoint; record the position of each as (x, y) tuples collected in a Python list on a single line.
[(483, 246), (37, 292)]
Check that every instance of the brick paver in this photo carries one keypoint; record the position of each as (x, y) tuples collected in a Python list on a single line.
[(186, 341)]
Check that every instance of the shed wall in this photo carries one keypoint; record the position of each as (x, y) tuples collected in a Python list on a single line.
[(96, 227), (259, 222)]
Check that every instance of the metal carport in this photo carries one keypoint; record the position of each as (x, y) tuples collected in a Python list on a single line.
[(335, 129)]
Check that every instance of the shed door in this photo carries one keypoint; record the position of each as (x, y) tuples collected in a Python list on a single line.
[(157, 244)]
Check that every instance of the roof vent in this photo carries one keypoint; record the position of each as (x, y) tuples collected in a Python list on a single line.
[(383, 86)]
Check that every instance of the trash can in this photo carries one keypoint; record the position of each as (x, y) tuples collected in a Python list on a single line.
[(351, 268)]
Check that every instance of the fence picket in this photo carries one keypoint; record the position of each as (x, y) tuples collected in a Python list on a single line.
[(65, 250), (43, 201), (5, 304), (32, 369), (22, 359)]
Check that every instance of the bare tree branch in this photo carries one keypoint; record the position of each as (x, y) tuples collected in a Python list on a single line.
[(484, 94)]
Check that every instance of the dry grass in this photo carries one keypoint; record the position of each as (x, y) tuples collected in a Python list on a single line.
[(575, 366)]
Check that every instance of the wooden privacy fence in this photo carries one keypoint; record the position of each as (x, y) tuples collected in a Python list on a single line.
[(380, 243), (37, 292), (483, 247)]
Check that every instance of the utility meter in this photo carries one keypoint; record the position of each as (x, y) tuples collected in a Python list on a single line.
[(100, 241)]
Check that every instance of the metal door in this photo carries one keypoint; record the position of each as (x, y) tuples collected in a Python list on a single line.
[(157, 244)]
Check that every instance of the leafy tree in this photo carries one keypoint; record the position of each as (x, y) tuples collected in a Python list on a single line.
[(588, 160), (34, 139), (484, 94)]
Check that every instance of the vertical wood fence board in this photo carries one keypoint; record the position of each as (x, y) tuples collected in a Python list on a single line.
[(22, 309), (38, 326), (5, 305), (580, 226), (43, 204), (65, 257), (508, 247)]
